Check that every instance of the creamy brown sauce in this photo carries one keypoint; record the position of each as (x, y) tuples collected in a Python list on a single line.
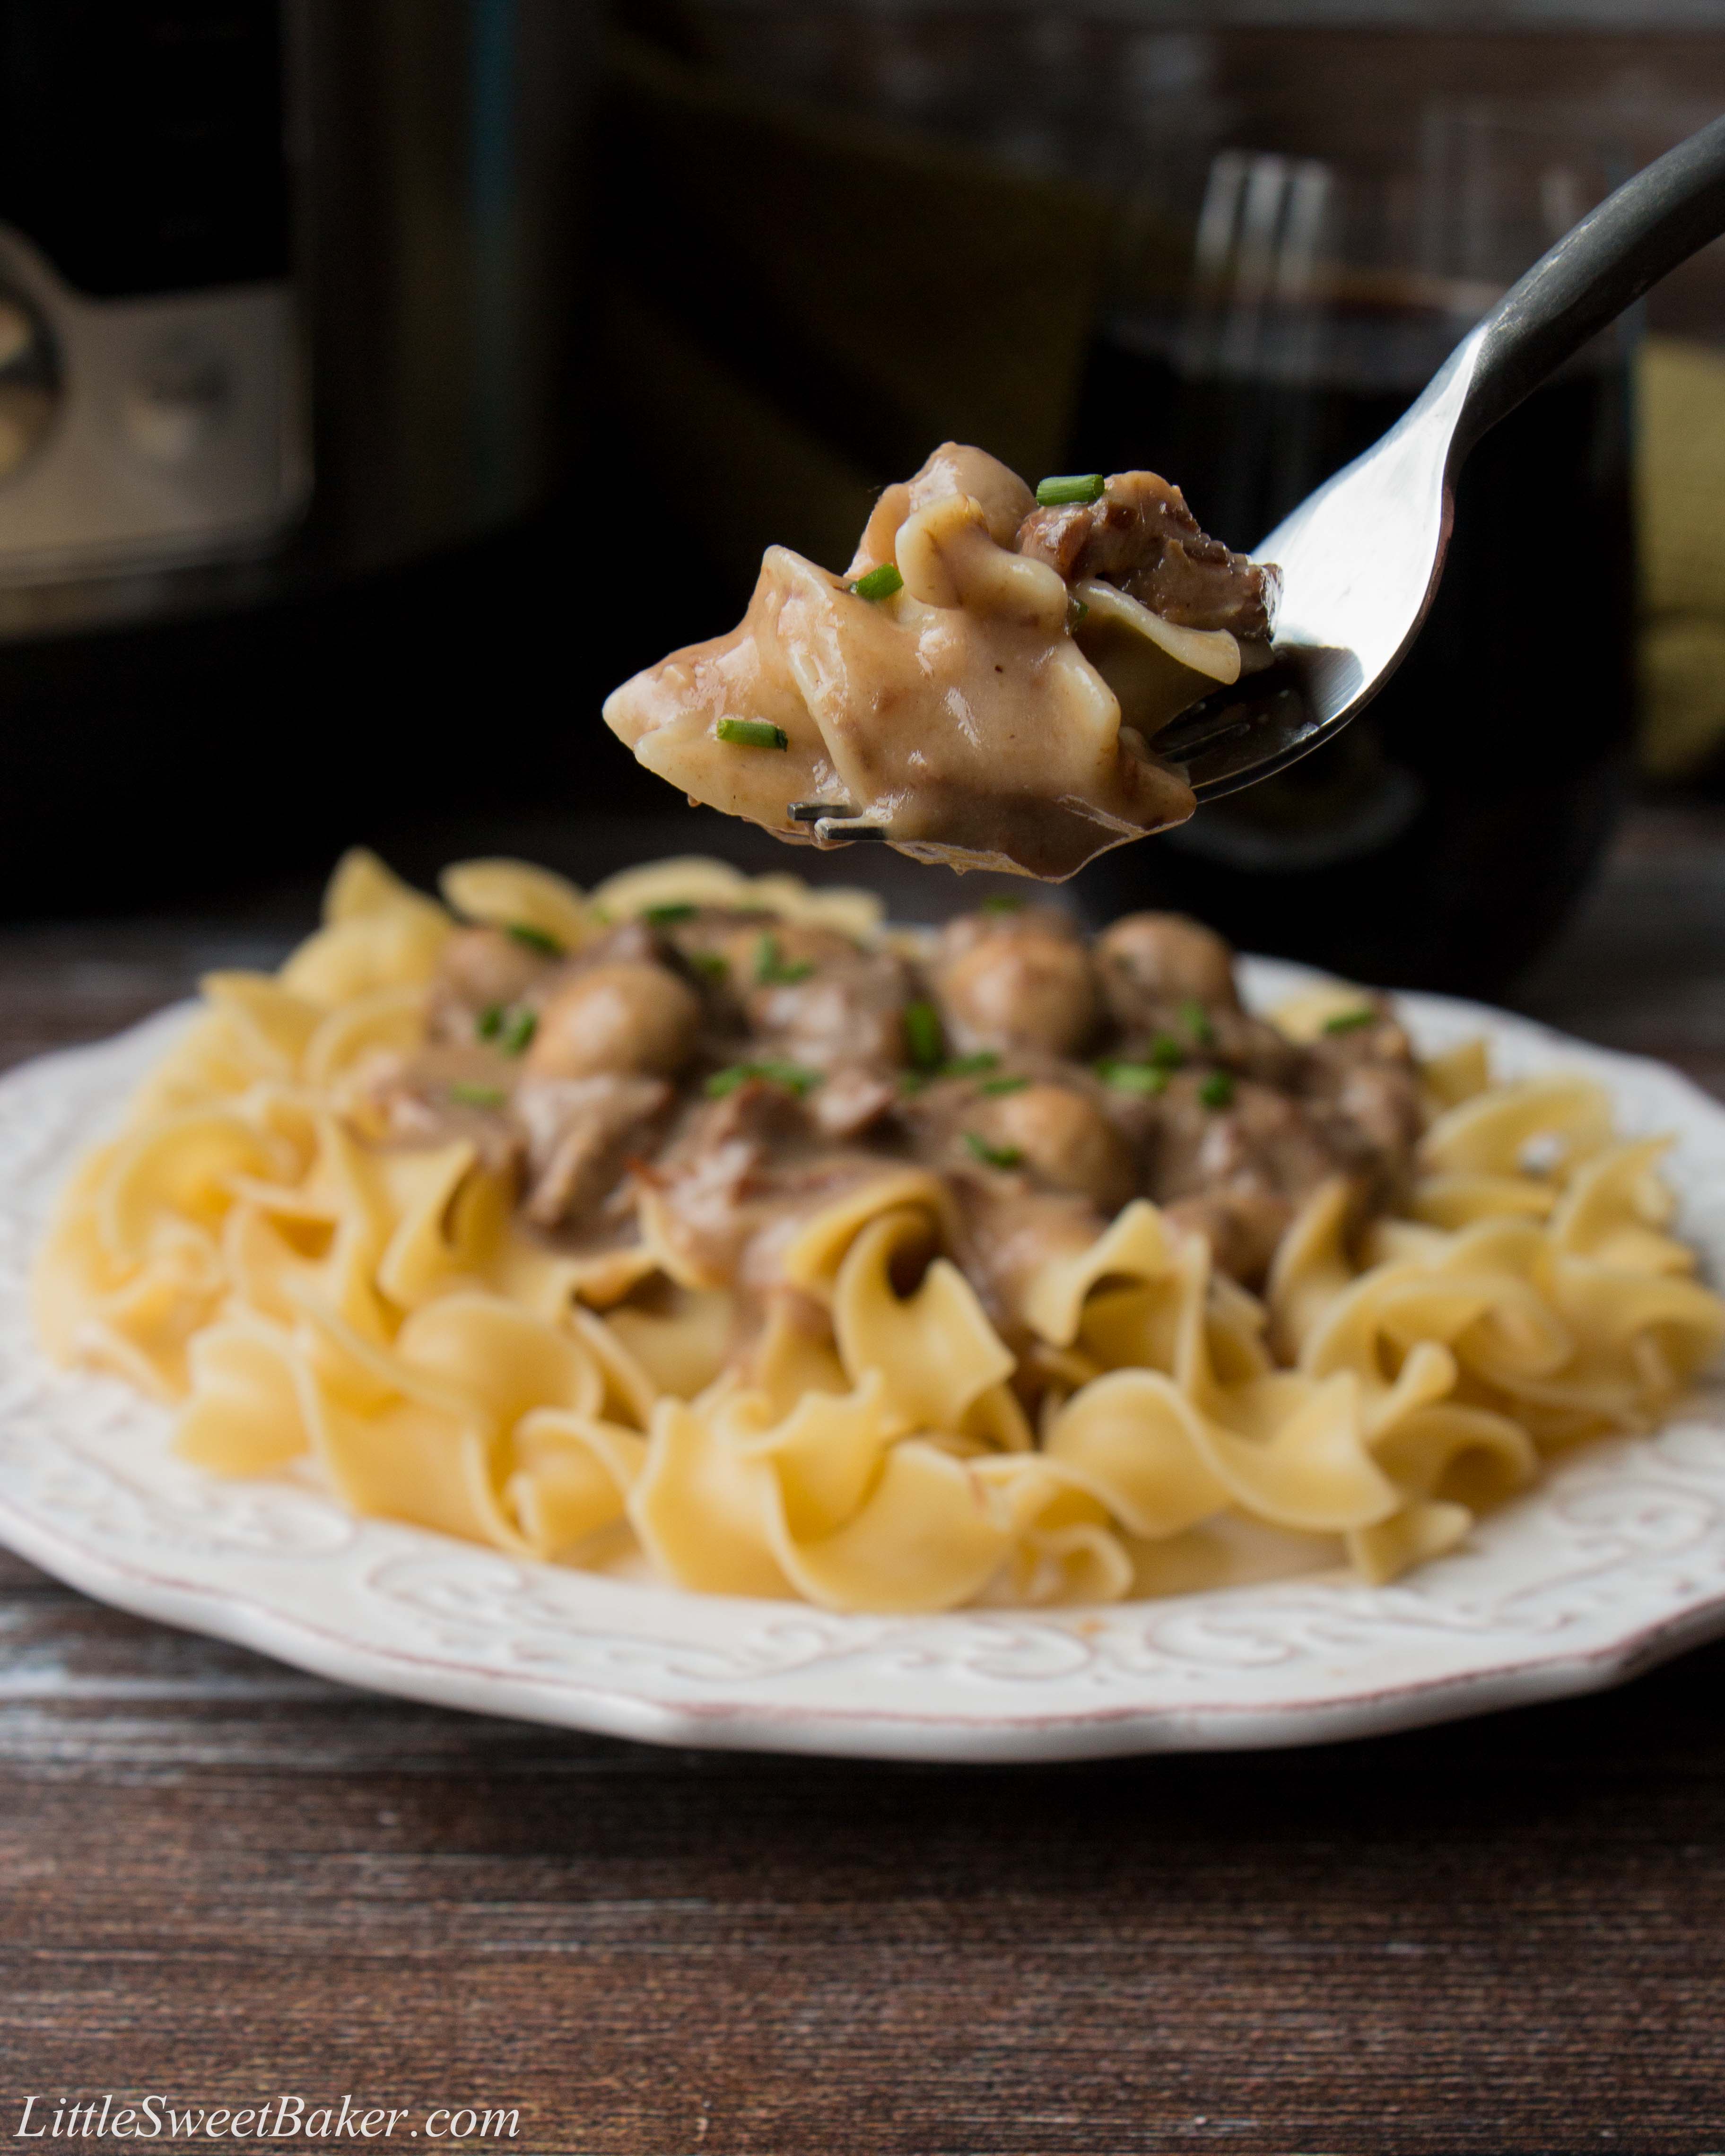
[(738, 1072), (994, 702)]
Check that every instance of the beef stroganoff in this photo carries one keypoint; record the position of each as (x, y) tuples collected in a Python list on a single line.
[(986, 680), (708, 1224)]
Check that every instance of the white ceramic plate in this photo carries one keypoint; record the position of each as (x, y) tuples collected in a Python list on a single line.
[(1615, 1561)]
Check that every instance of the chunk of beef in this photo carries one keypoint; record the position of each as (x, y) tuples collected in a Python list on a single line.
[(1142, 537), (1362, 1088), (580, 1131), (852, 1012), (1239, 1171), (710, 1179), (856, 1097), (1232, 1039), (444, 1091), (742, 1175), (1007, 1233), (819, 998), (624, 943), (1242, 1227)]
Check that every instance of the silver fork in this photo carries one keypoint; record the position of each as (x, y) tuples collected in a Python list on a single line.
[(1361, 557)]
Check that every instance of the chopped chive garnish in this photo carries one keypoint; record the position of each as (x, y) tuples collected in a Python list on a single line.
[(1070, 487), (1196, 1019), (966, 1067), (1076, 610), (1134, 1077), (879, 583), (1217, 1090), (709, 965), (993, 1086), (1006, 902), (792, 1076), (1166, 1052), (1350, 1021), (536, 939), (518, 1030), (751, 733), (993, 1156), (666, 916), (772, 969), (478, 1096), (924, 1036), (490, 1023)]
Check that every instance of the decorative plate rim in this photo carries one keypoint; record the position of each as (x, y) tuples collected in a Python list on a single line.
[(1613, 1563)]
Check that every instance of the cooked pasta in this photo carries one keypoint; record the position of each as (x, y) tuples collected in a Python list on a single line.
[(892, 1320)]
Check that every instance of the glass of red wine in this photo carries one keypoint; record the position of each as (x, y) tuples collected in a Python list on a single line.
[(1440, 840)]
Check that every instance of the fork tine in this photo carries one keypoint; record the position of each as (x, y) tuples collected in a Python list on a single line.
[(835, 830)]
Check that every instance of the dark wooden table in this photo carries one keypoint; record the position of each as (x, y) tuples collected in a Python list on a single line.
[(224, 1881)]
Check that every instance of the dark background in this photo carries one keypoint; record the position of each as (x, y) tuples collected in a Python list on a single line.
[(780, 204)]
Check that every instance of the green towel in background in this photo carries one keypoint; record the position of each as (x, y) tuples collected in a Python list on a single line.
[(1680, 479), (799, 306)]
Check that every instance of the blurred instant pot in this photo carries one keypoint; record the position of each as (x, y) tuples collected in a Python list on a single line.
[(290, 344), (150, 409)]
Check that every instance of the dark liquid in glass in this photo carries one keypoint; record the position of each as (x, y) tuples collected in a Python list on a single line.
[(1439, 841)]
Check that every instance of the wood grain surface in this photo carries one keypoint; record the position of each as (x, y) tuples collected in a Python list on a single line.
[(224, 1881)]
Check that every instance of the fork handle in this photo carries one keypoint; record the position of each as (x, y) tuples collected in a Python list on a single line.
[(1651, 224)]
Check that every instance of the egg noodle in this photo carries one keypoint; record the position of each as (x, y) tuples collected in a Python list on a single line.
[(302, 1293)]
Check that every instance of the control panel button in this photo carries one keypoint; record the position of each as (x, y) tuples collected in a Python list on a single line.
[(29, 381), (18, 332), (178, 401)]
